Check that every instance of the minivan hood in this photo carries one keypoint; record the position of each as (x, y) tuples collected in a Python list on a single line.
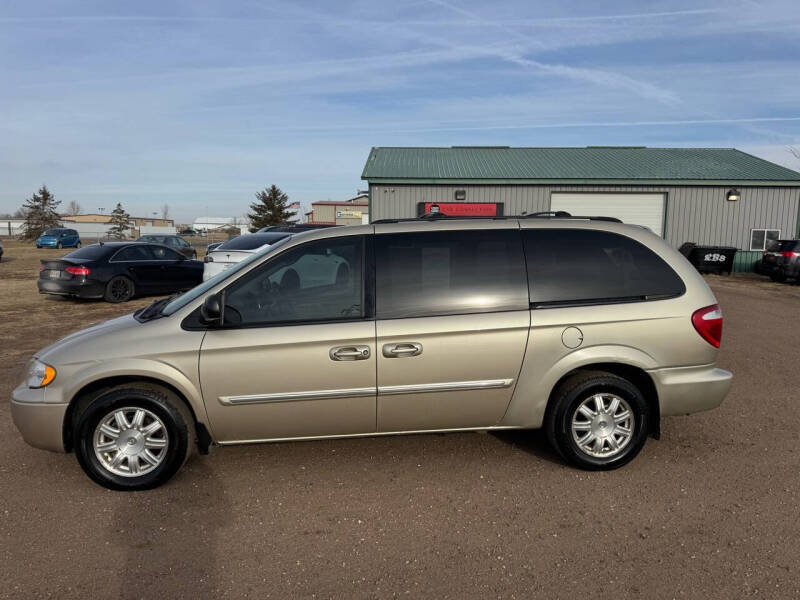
[(66, 345)]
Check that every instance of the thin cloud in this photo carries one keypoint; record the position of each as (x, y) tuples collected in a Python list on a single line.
[(596, 76)]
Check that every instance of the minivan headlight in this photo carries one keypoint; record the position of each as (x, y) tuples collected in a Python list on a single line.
[(40, 374)]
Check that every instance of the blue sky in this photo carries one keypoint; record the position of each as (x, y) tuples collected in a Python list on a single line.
[(199, 104)]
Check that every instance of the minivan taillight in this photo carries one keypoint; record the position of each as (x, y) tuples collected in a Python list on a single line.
[(787, 254), (708, 323), (77, 270)]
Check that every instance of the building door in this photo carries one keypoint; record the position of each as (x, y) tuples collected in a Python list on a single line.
[(633, 208)]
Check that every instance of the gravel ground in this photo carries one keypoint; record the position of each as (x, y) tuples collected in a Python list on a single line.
[(709, 511)]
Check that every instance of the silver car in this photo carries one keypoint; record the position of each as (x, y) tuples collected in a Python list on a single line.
[(588, 328), (224, 255)]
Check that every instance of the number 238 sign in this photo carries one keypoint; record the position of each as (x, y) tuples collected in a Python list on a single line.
[(714, 257)]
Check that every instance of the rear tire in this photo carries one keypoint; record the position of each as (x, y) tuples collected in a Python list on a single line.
[(598, 421), (58, 245), (133, 437), (78, 245), (777, 277), (119, 289)]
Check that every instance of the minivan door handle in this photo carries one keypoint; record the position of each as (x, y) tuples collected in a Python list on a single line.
[(402, 349), (350, 353)]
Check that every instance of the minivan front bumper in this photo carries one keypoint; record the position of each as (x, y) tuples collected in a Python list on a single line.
[(40, 423), (685, 390)]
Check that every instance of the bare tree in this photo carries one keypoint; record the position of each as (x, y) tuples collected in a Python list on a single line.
[(74, 208), (794, 151), (165, 211)]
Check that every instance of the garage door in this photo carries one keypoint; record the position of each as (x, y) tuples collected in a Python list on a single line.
[(637, 209)]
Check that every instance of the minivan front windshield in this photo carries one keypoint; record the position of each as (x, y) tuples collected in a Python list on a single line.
[(184, 299)]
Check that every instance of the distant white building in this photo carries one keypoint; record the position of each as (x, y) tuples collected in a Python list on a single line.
[(212, 223), (12, 227)]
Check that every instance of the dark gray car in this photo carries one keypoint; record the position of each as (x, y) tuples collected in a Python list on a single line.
[(781, 261), (175, 242)]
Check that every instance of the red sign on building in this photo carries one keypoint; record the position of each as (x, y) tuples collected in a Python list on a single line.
[(462, 209)]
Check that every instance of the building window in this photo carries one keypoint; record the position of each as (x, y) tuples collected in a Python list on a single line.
[(760, 237)]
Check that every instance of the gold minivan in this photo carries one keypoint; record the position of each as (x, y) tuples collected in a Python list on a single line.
[(584, 326)]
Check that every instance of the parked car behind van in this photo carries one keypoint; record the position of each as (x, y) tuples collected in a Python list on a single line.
[(781, 260), (59, 237), (175, 242), (226, 254), (118, 271), (588, 328)]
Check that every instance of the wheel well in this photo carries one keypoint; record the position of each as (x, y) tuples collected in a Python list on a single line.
[(93, 389), (635, 375)]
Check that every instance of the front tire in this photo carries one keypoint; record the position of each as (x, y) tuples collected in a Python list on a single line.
[(133, 437), (59, 246), (598, 421), (119, 289)]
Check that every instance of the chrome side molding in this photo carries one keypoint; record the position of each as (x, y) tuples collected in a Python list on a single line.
[(298, 396), (384, 390), (447, 386)]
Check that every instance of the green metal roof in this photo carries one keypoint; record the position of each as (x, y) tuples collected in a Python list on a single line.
[(593, 164)]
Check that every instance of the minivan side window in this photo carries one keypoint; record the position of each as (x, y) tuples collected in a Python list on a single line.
[(583, 266), (449, 273), (317, 281)]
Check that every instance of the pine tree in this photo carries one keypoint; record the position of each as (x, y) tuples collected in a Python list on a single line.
[(40, 213), (270, 208), (120, 222)]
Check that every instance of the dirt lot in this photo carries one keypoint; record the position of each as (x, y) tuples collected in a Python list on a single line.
[(710, 511)]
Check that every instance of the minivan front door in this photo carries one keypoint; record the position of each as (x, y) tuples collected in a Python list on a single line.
[(296, 356), (452, 325)]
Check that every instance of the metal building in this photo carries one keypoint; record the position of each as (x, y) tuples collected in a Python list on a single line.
[(714, 196)]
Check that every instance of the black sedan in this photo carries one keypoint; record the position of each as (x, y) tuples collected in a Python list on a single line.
[(116, 271)]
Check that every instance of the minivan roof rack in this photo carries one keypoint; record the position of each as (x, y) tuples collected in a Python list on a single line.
[(439, 216), (558, 214)]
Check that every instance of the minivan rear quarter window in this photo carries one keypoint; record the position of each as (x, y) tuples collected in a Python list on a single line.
[(581, 266), (449, 272)]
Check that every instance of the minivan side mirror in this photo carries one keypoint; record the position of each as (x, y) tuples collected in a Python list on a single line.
[(212, 310)]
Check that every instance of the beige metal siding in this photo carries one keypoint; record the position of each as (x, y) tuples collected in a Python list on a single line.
[(693, 214), (324, 213), (396, 202)]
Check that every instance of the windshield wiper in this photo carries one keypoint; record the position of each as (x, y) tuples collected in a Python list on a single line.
[(154, 309)]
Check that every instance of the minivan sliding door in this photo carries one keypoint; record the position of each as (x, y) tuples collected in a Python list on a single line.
[(452, 325)]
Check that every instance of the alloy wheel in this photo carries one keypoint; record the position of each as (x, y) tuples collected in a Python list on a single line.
[(130, 442), (603, 425), (120, 290)]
